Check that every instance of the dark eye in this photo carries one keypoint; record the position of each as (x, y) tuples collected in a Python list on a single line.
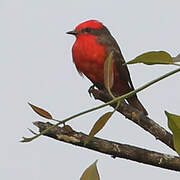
[(87, 30)]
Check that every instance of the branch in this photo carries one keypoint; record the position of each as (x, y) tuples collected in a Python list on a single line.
[(68, 135), (139, 118)]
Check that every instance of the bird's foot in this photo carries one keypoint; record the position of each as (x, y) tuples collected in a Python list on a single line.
[(90, 90)]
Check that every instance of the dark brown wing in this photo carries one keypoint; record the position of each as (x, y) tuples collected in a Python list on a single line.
[(112, 45), (106, 39)]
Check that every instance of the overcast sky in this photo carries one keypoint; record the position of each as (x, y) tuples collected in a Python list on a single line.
[(36, 66)]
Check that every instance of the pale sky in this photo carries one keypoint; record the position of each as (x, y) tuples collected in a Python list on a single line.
[(36, 66)]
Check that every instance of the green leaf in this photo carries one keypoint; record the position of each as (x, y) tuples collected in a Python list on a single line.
[(91, 173), (108, 72), (26, 139), (153, 57), (41, 111), (100, 123), (174, 126), (173, 121), (176, 137)]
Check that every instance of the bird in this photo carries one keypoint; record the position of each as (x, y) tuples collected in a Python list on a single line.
[(93, 44)]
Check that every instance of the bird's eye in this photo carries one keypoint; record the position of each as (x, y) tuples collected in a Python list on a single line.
[(87, 30)]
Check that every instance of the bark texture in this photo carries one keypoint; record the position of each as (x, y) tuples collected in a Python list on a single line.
[(115, 149)]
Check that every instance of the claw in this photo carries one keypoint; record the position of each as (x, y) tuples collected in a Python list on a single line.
[(90, 90)]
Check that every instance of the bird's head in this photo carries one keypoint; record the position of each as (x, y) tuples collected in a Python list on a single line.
[(93, 27)]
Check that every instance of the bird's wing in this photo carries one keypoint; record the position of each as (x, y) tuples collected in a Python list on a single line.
[(112, 45)]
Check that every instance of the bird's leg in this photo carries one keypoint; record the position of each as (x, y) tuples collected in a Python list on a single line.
[(90, 90)]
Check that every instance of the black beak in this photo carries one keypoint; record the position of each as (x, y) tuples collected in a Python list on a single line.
[(72, 32)]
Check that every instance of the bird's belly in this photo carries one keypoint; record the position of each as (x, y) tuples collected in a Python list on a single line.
[(93, 71)]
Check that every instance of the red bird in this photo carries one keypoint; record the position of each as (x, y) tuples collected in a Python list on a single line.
[(93, 44)]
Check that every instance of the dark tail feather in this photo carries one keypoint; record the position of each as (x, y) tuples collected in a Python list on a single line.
[(134, 101)]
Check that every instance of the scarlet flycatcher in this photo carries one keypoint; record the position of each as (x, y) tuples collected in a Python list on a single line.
[(93, 44)]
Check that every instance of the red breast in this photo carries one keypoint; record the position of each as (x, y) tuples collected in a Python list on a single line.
[(89, 57)]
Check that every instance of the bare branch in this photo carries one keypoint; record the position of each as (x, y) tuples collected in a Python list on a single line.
[(139, 118), (68, 135)]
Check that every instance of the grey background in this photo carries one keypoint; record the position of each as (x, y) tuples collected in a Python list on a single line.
[(36, 66)]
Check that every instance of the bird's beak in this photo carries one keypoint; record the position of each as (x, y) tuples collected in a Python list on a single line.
[(74, 32)]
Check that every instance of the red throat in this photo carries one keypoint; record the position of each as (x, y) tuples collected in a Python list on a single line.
[(89, 56)]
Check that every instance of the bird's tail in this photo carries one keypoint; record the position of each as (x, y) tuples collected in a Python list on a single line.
[(134, 101)]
